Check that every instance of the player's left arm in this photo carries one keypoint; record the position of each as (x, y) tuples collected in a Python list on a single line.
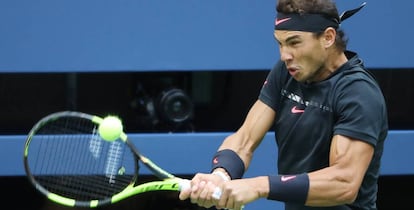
[(339, 183), (334, 185), (349, 157)]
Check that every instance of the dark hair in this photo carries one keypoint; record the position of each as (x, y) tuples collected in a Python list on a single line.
[(325, 7)]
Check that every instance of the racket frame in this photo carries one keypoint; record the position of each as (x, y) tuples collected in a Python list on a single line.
[(167, 182)]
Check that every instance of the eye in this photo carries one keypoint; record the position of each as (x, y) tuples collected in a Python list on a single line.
[(294, 43)]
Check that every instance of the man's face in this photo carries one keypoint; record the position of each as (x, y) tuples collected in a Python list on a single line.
[(303, 53)]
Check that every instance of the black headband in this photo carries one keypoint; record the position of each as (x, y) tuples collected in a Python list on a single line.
[(311, 22), (304, 22)]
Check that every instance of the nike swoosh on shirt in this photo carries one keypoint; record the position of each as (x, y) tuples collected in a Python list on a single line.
[(295, 110), (279, 21), (286, 178)]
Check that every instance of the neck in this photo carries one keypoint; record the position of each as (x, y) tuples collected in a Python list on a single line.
[(335, 60)]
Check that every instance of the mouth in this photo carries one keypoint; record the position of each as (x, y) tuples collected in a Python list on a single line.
[(292, 71)]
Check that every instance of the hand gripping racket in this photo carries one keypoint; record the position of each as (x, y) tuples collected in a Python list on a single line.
[(66, 160)]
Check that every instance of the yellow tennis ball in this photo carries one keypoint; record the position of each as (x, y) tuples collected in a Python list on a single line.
[(110, 128)]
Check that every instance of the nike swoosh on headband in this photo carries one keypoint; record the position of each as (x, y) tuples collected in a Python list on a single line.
[(279, 21)]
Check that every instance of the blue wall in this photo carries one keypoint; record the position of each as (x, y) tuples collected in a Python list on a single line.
[(142, 35), (189, 153)]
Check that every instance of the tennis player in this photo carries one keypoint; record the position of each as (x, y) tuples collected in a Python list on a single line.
[(328, 114)]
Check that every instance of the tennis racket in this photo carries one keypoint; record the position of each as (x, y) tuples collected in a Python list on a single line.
[(66, 160)]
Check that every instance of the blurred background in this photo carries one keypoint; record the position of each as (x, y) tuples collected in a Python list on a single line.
[(174, 67)]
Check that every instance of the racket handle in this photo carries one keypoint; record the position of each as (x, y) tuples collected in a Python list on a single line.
[(184, 184)]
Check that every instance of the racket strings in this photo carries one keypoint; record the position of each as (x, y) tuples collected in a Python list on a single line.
[(74, 162)]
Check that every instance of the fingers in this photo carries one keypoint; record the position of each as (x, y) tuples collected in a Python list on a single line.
[(203, 194), (225, 199), (216, 193), (198, 192), (200, 189), (184, 194), (208, 190), (185, 189)]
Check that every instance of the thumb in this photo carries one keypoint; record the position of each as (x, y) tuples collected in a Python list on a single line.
[(185, 189)]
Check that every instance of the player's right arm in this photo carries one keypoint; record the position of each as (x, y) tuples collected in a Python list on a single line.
[(259, 120)]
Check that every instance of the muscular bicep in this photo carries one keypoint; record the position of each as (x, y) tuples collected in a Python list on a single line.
[(339, 183), (351, 157)]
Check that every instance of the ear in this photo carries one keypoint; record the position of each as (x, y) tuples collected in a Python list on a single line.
[(329, 36)]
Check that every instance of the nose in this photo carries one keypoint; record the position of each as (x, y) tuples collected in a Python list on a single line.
[(285, 55)]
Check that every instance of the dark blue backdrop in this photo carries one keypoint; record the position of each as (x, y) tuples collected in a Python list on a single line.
[(154, 35)]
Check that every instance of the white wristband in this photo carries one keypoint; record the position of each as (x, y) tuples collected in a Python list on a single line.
[(222, 175)]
